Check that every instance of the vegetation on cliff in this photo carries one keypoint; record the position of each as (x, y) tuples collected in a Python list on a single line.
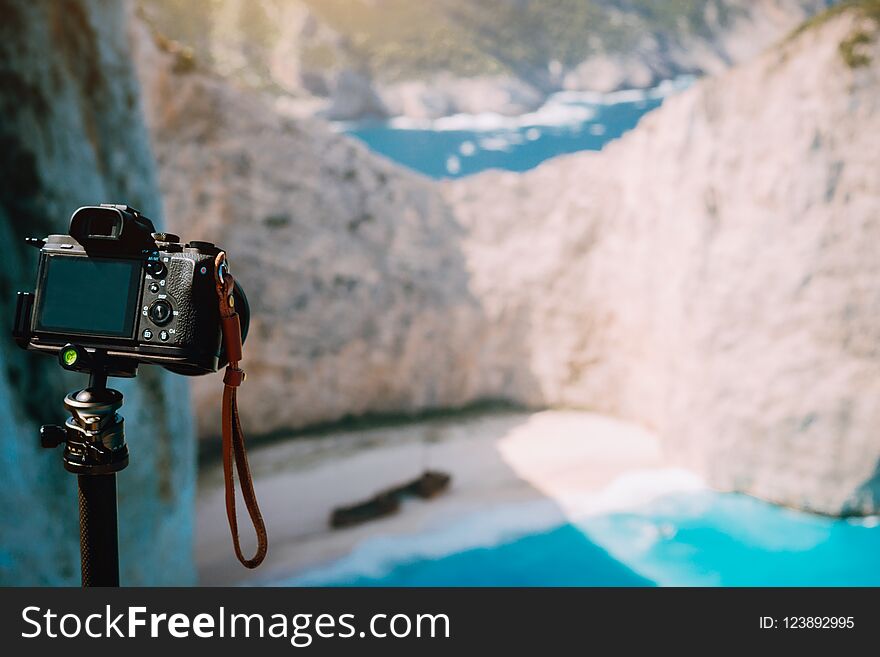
[(853, 47)]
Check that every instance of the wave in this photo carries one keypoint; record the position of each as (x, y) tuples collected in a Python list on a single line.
[(562, 109), (550, 113)]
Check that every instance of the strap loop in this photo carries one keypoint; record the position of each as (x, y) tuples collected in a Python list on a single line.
[(233, 436), (234, 377)]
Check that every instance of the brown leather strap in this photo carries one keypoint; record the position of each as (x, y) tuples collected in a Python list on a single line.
[(233, 437)]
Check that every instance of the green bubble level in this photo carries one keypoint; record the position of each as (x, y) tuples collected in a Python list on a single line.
[(69, 356)]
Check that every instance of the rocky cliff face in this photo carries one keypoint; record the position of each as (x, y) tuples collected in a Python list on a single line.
[(353, 267), (714, 274), (352, 58), (72, 135)]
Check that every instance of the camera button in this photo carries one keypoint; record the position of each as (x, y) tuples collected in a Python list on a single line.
[(163, 336), (154, 288), (148, 334), (161, 312), (155, 268)]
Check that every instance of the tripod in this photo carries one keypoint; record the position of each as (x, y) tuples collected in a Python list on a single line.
[(94, 450)]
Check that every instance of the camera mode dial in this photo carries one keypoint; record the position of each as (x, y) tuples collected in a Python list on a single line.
[(161, 312)]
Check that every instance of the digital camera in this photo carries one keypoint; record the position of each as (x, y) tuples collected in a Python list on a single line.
[(114, 285)]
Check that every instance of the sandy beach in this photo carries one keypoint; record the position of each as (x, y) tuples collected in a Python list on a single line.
[(558, 462)]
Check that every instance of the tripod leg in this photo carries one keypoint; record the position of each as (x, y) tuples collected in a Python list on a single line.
[(98, 540)]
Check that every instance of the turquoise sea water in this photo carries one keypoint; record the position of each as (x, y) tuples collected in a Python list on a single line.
[(465, 144), (692, 539)]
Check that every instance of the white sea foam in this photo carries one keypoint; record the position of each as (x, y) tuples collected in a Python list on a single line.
[(565, 108), (552, 113), (634, 490), (467, 148), (868, 522), (496, 143)]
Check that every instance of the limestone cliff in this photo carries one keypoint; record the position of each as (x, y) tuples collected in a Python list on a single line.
[(72, 135), (712, 275), (715, 274)]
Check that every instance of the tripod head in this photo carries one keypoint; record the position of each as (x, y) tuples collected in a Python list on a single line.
[(94, 434)]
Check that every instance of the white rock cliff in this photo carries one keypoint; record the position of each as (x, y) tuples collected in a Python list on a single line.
[(713, 275)]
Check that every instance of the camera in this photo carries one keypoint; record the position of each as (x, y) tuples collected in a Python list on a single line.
[(112, 294), (116, 287)]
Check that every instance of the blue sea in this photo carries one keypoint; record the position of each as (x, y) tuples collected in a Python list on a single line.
[(465, 144), (684, 539)]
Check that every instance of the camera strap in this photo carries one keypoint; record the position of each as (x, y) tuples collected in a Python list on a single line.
[(233, 437)]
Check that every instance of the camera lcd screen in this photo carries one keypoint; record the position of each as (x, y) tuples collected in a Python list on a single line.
[(91, 296)]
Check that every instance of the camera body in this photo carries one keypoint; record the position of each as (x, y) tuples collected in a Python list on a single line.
[(115, 286)]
